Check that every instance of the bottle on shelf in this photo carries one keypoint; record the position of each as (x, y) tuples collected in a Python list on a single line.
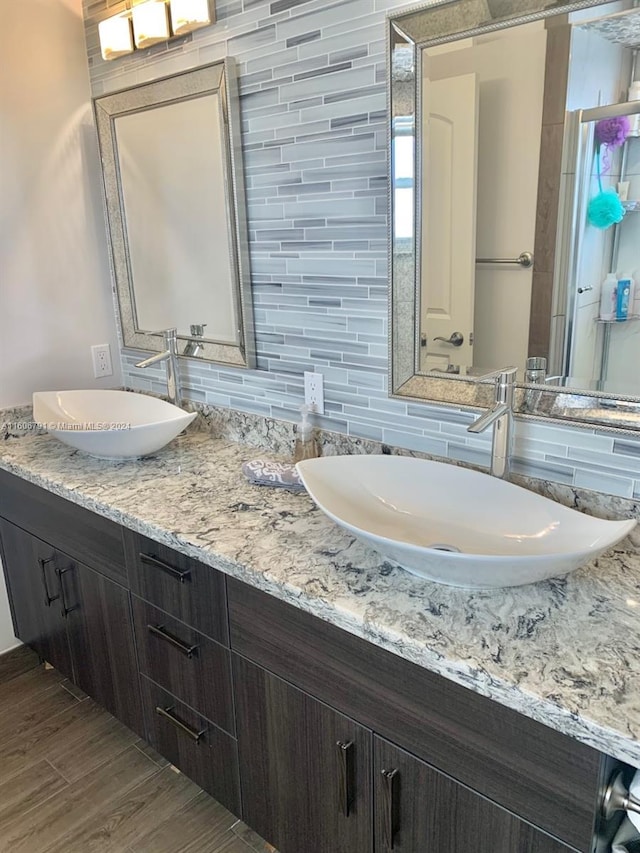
[(608, 297), (624, 297)]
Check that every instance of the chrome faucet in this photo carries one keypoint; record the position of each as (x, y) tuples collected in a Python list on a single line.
[(194, 346), (501, 417), (170, 355)]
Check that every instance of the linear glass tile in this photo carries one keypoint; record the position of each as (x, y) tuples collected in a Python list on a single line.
[(303, 38), (611, 485), (313, 104)]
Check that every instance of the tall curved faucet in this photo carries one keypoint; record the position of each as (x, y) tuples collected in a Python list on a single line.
[(170, 356), (501, 417)]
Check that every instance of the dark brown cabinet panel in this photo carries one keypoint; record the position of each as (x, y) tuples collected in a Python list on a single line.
[(305, 769), (101, 639), (77, 531), (192, 743), (420, 810), (76, 619), (34, 591), (542, 775), (185, 662), (189, 590)]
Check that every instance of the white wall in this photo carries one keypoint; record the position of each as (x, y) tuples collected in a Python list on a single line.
[(55, 290)]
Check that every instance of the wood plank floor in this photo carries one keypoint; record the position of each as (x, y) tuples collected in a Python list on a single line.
[(75, 780)]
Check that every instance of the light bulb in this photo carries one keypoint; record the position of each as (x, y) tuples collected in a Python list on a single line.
[(115, 37), (150, 23), (188, 15)]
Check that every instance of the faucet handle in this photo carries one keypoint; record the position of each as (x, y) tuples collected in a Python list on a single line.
[(503, 374)]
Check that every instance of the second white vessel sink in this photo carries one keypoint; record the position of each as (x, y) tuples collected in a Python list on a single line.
[(455, 526), (110, 424)]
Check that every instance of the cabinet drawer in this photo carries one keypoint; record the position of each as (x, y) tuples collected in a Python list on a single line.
[(189, 590), (184, 662), (539, 774), (82, 534), (192, 743)]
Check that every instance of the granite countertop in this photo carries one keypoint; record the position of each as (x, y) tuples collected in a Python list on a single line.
[(565, 652)]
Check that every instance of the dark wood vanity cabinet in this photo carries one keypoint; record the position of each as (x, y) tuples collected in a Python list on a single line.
[(182, 639), (305, 768), (417, 808), (33, 585), (320, 741), (101, 640), (76, 619), (192, 743), (519, 771)]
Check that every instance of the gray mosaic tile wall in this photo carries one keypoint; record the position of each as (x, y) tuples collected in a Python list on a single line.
[(312, 82)]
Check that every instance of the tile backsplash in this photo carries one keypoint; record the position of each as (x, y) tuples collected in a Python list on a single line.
[(313, 101)]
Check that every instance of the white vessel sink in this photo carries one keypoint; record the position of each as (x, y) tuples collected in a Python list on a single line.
[(109, 424), (452, 525)]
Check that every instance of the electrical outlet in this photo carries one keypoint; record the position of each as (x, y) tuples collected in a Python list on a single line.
[(101, 356), (314, 391)]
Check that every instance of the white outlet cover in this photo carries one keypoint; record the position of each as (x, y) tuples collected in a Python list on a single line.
[(101, 357), (314, 391)]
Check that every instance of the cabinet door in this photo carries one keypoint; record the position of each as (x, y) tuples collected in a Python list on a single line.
[(417, 808), (34, 591), (100, 630), (305, 769)]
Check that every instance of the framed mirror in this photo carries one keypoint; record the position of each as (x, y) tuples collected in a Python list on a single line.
[(510, 121), (174, 187)]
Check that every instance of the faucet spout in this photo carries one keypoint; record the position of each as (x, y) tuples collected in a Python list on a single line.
[(489, 418), (170, 356), (154, 359), (500, 416)]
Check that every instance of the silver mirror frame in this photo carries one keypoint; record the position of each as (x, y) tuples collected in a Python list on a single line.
[(412, 29), (218, 78)]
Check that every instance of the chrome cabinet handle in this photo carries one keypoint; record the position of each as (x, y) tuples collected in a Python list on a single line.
[(179, 724), (456, 339), (181, 575), (63, 598), (390, 810), (345, 775), (48, 599), (162, 634)]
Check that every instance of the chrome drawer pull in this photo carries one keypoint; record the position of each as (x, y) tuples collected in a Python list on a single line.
[(181, 575), (194, 734), (162, 634)]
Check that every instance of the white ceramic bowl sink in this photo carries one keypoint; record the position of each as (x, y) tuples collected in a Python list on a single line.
[(452, 525), (109, 424)]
